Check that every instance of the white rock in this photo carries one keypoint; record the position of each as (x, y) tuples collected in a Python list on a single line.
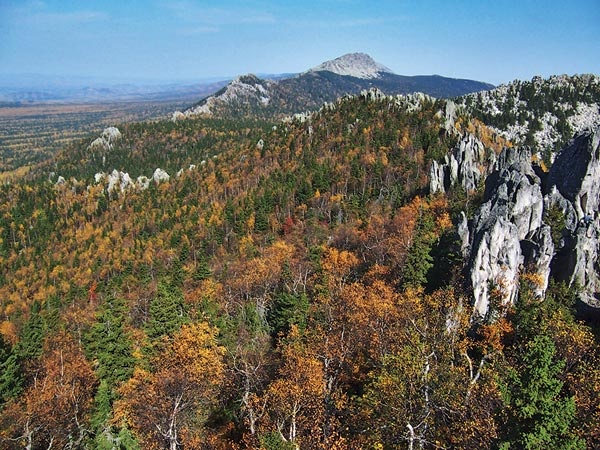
[(106, 141), (508, 233), (111, 135), (160, 175), (98, 177), (121, 180), (143, 182), (177, 115)]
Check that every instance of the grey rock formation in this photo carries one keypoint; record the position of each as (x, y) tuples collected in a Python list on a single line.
[(574, 185), (464, 166), (437, 177), (450, 117), (576, 173), (513, 230), (508, 235), (160, 175), (108, 139), (517, 228)]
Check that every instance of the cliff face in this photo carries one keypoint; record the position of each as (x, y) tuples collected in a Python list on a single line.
[(461, 167), (513, 230), (574, 188)]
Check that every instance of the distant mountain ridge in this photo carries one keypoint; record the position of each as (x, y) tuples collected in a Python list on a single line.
[(249, 95)]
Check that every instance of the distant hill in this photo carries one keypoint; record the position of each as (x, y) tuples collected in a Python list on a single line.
[(249, 95)]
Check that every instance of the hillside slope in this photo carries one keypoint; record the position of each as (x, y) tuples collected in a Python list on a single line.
[(544, 113), (222, 284)]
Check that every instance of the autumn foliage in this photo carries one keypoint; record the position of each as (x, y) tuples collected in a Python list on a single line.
[(302, 294)]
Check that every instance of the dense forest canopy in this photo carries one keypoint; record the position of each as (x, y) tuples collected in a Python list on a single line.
[(294, 286)]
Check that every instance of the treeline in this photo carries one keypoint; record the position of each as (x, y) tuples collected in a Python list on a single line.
[(298, 289)]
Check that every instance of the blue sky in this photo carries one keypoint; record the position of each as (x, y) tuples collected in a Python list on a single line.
[(495, 41)]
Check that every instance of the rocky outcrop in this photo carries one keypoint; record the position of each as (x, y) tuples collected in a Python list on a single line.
[(107, 140), (508, 233), (160, 175), (521, 111), (576, 173), (574, 188), (464, 166), (545, 227), (118, 181), (248, 90)]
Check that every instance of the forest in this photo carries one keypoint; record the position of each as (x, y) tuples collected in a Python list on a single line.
[(295, 286)]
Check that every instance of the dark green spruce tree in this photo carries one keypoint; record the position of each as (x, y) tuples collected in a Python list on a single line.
[(537, 414), (110, 346), (419, 260), (28, 348), (167, 312)]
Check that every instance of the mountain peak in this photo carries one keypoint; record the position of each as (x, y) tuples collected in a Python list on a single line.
[(358, 65)]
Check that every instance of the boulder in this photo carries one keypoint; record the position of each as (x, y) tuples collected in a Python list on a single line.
[(160, 175), (107, 140)]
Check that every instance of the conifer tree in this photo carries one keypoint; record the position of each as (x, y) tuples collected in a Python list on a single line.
[(419, 260), (537, 414), (167, 312), (29, 347), (110, 345)]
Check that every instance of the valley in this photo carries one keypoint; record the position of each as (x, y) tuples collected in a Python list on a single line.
[(30, 134)]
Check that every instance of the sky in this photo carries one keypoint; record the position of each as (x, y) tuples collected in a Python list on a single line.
[(160, 40)]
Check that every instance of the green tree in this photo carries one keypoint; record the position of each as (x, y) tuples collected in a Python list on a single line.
[(5, 350), (537, 415), (31, 340), (11, 378), (29, 347), (167, 312), (419, 260), (110, 345), (202, 270), (288, 309), (106, 436)]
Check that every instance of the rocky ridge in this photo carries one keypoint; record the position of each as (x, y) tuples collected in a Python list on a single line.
[(574, 187), (250, 96), (107, 140), (543, 224), (247, 89), (542, 113)]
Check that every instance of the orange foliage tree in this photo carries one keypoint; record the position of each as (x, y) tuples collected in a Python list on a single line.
[(54, 411), (166, 406)]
